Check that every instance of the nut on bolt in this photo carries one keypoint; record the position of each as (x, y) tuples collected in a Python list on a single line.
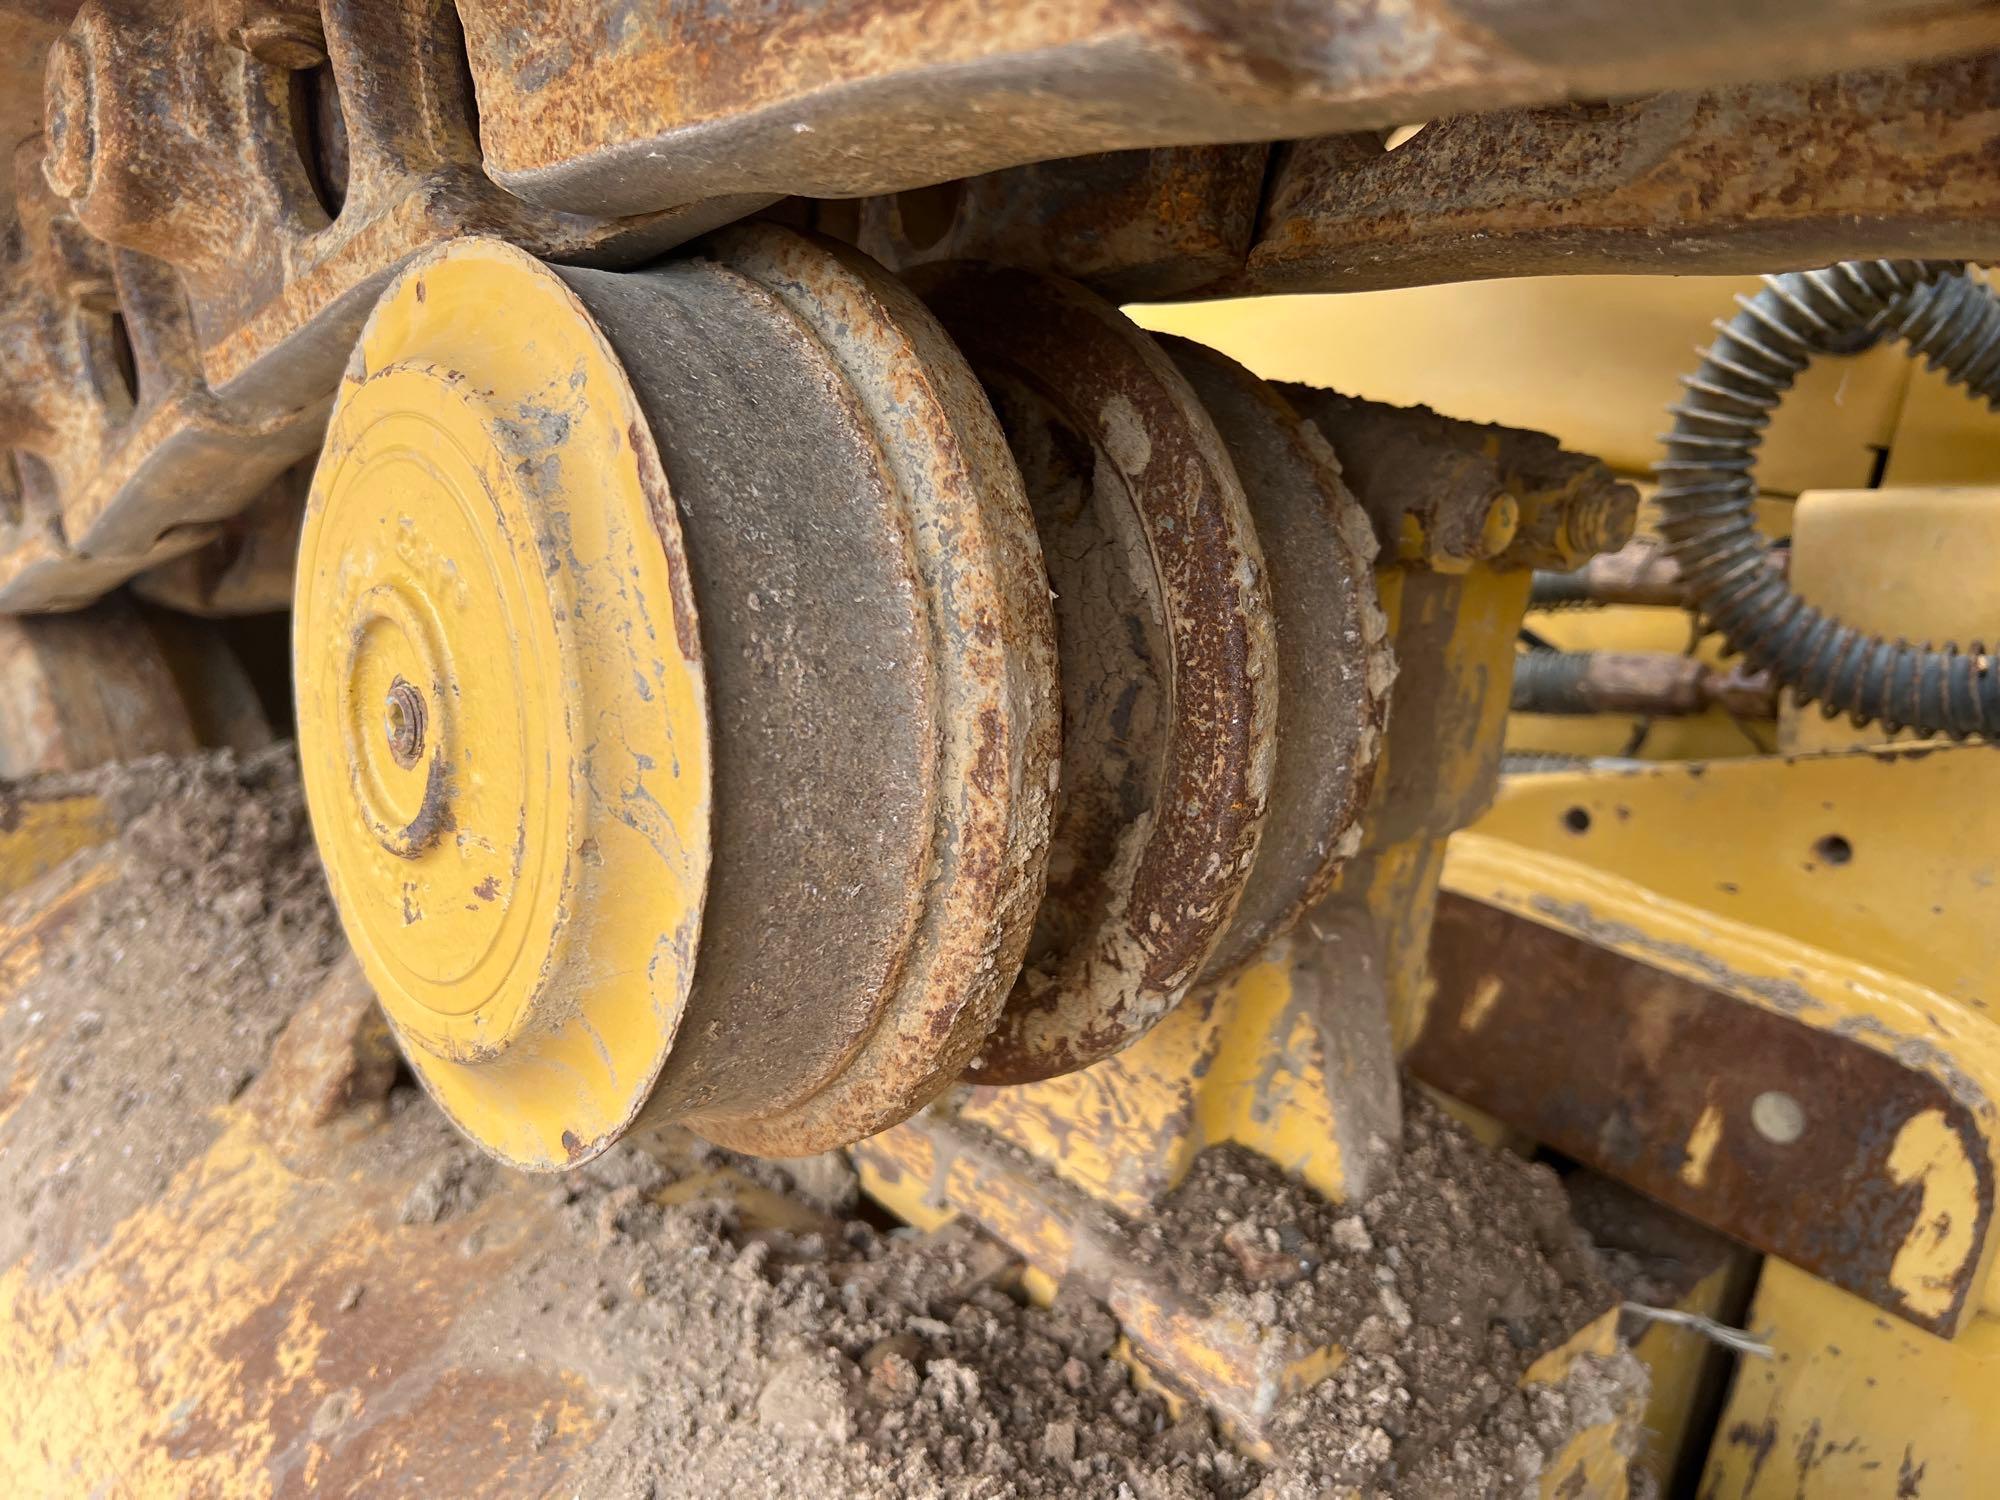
[(404, 719), (1600, 521), (1452, 542), (69, 132)]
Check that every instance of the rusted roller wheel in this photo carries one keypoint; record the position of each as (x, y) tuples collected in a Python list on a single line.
[(992, 716), (86, 689), (675, 694), (1334, 664), (1168, 663)]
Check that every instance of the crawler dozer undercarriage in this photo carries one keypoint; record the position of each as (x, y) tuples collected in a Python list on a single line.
[(809, 634)]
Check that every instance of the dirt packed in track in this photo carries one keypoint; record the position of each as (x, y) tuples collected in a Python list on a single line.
[(748, 1328)]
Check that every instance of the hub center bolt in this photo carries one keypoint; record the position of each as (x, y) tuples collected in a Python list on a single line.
[(403, 718)]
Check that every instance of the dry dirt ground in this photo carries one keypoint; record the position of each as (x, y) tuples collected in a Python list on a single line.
[(801, 1348)]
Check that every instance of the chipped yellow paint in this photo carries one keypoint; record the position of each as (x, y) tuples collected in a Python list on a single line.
[(502, 718), (44, 832), (1929, 1153), (1251, 1063), (1854, 1403), (1593, 1461), (1454, 639), (197, 1349), (1886, 943), (1700, 1148), (1038, 1286), (1278, 1073), (1481, 1004)]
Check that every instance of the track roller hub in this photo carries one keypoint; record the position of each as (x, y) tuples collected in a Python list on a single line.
[(503, 720), (676, 692)]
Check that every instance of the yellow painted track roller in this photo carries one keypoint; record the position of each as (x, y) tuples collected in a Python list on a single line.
[(502, 713), (676, 693)]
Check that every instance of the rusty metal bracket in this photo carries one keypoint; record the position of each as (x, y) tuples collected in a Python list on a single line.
[(1445, 494), (1130, 224), (1882, 161), (1783, 1037), (674, 102), (1673, 1065)]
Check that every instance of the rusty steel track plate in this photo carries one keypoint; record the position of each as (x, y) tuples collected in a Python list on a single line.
[(1334, 663), (1619, 1064), (1168, 658), (881, 680)]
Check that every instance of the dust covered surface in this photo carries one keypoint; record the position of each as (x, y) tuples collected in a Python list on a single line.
[(840, 1359), (828, 1358), (744, 1328), (214, 927), (1444, 1288)]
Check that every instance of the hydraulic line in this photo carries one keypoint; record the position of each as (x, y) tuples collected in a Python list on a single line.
[(1708, 490)]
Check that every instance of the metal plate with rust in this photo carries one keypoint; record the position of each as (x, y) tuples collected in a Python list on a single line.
[(1168, 657), (1334, 664), (1799, 1140)]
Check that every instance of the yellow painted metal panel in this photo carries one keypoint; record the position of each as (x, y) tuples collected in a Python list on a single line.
[(1887, 858), (1856, 1404), (1592, 359)]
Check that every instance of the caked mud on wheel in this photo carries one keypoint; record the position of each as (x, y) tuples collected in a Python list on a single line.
[(1221, 650)]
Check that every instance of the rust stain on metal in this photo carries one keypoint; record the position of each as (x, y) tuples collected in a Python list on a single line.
[(591, 109), (1434, 481), (876, 636), (1169, 668), (1881, 161), (1615, 1062), (1333, 660), (243, 176), (988, 637), (1129, 224)]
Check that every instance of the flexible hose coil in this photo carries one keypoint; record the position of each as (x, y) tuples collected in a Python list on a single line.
[(1708, 492)]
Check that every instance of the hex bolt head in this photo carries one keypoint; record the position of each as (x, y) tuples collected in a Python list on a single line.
[(69, 132)]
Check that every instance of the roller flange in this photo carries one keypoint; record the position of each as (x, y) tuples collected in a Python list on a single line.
[(1168, 661)]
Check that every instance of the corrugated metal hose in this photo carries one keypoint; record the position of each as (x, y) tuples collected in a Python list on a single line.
[(1708, 492)]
